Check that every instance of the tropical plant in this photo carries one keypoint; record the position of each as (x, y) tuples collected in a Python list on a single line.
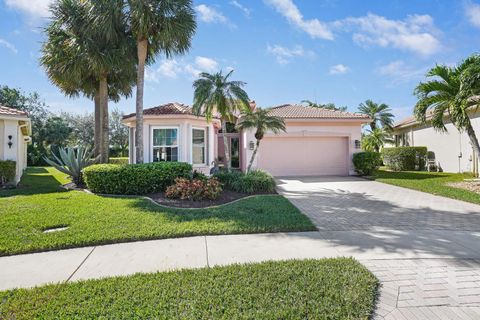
[(72, 162), (158, 26), (374, 140), (89, 51), (118, 133), (262, 122), (450, 94), (379, 113), (216, 93), (329, 106)]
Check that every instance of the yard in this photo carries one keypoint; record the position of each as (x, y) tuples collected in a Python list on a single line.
[(40, 204), (315, 289), (431, 182)]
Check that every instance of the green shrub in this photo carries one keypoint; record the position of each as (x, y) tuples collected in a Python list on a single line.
[(134, 178), (255, 181), (194, 190), (366, 163), (8, 170), (120, 160), (405, 158), (227, 178)]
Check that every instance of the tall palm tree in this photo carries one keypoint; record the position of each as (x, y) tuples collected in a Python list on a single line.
[(262, 122), (88, 51), (329, 106), (158, 26), (375, 139), (216, 93), (379, 113), (451, 93)]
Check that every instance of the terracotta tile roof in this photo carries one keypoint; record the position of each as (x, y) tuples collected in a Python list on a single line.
[(296, 111), (166, 109), (11, 112)]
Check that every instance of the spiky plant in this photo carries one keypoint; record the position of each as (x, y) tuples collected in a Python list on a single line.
[(72, 162)]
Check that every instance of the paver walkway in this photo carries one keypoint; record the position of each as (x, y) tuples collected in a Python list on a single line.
[(424, 249), (385, 226)]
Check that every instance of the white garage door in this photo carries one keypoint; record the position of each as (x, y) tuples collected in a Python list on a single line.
[(302, 156)]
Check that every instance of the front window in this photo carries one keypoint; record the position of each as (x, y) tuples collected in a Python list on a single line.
[(198, 146), (165, 145)]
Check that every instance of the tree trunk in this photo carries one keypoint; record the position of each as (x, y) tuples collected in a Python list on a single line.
[(225, 145), (142, 46), (253, 156), (473, 139), (103, 102), (98, 124)]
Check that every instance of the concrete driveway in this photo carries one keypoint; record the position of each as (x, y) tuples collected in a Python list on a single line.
[(425, 249)]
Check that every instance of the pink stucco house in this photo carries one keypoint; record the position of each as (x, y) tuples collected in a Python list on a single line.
[(317, 142)]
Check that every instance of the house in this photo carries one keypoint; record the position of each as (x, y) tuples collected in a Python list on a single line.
[(317, 141), (451, 150), (15, 131)]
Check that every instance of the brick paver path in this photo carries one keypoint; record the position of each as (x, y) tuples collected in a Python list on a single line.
[(368, 216)]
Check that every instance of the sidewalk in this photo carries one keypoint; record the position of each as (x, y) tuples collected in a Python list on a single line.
[(22, 271)]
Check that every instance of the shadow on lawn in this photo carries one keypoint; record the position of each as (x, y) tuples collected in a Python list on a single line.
[(36, 180)]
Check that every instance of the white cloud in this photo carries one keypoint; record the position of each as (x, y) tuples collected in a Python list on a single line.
[(284, 55), (399, 71), (206, 64), (35, 8), (246, 11), (472, 11), (8, 45), (210, 15), (173, 69), (314, 27), (416, 33), (339, 69)]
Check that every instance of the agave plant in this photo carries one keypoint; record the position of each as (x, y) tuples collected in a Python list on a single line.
[(72, 162)]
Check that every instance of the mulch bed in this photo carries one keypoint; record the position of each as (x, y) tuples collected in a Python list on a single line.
[(225, 197), (473, 186)]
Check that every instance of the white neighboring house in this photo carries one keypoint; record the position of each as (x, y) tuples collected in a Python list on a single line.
[(453, 150), (15, 131)]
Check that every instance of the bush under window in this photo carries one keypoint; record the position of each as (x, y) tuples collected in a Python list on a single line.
[(7, 171), (405, 158), (194, 190), (134, 178), (366, 163)]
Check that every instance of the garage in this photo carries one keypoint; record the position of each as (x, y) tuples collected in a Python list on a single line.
[(304, 156)]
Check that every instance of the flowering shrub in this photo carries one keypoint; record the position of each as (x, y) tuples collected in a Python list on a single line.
[(194, 190)]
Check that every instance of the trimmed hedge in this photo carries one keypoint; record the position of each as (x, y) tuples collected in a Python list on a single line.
[(255, 181), (405, 158), (8, 170), (120, 160), (134, 178), (367, 162)]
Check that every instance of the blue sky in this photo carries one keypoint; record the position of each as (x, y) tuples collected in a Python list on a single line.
[(286, 50)]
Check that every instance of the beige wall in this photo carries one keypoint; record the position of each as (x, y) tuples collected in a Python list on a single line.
[(297, 128), (448, 147), (185, 126), (18, 151)]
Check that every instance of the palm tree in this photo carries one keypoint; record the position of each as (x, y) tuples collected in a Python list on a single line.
[(375, 139), (158, 26), (451, 93), (88, 51), (261, 121), (216, 93), (328, 106), (379, 113)]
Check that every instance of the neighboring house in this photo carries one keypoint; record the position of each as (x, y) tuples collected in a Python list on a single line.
[(317, 142), (452, 150), (15, 131)]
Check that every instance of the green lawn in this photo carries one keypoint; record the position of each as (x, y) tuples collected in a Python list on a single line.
[(431, 182), (304, 289), (40, 204)]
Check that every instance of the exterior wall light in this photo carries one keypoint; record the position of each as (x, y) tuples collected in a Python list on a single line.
[(251, 145), (358, 144), (10, 143)]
